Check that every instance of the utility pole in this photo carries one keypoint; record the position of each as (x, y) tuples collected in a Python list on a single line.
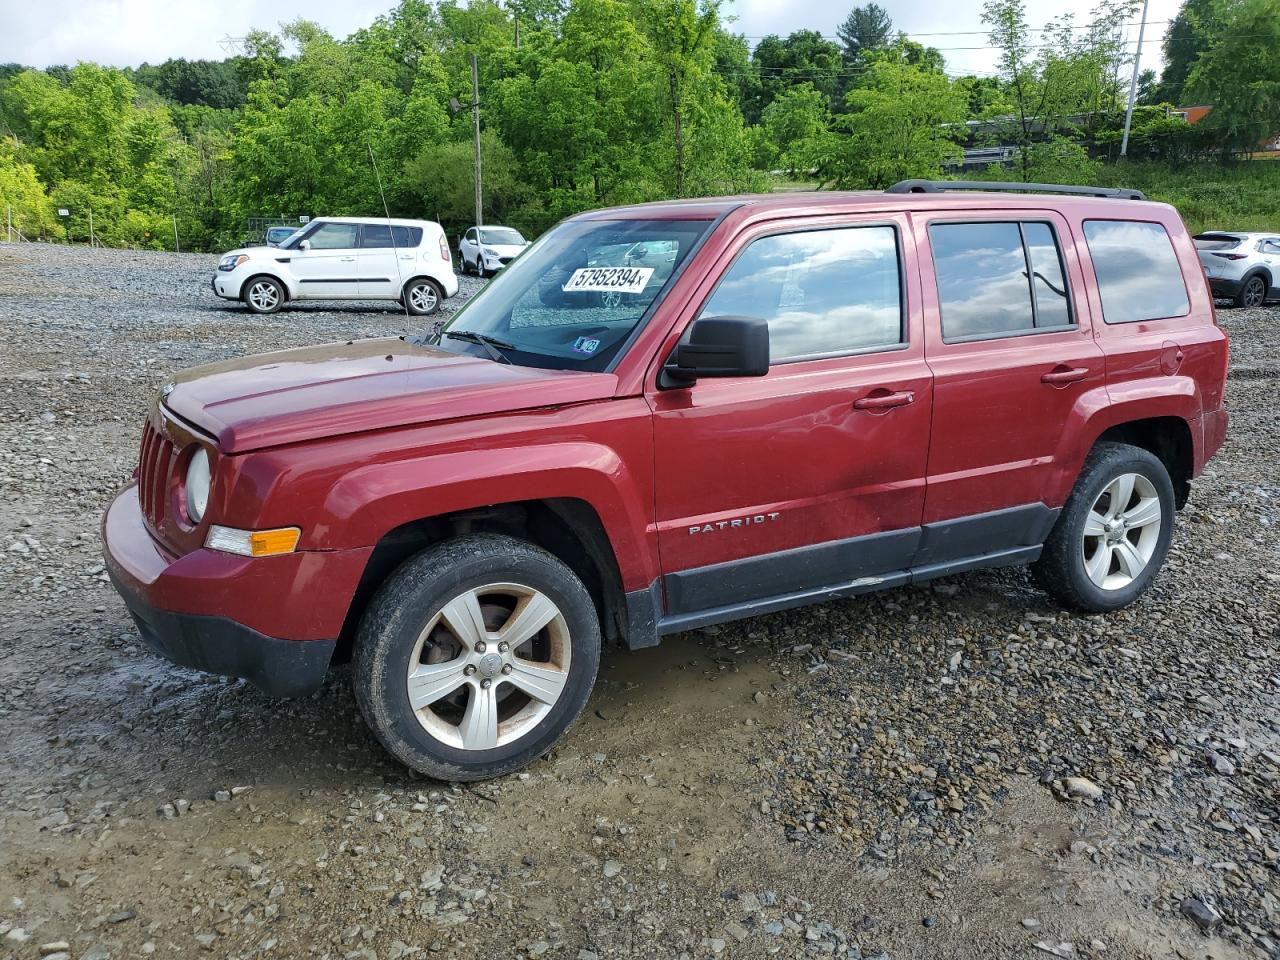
[(9, 212), (176, 247), (475, 113), (1133, 82), (92, 242)]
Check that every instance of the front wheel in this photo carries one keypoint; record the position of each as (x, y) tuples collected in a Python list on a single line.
[(263, 295), (422, 297), (1113, 534), (1253, 292), (475, 657)]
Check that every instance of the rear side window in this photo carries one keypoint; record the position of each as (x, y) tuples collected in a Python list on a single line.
[(823, 292), (998, 279), (381, 235), (1137, 270)]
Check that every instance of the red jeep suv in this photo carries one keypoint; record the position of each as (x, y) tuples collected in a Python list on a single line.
[(670, 415)]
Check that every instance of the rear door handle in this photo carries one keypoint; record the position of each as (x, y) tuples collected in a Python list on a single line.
[(1062, 374), (883, 400)]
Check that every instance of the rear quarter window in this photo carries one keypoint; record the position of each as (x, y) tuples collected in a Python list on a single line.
[(1139, 277)]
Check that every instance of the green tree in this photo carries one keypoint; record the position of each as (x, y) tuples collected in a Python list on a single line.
[(23, 200), (1239, 74), (442, 178), (792, 124), (903, 121), (866, 28), (1189, 34), (804, 56)]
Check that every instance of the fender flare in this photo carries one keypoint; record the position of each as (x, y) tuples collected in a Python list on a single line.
[(369, 501)]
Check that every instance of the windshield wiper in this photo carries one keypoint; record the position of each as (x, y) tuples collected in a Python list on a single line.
[(492, 345)]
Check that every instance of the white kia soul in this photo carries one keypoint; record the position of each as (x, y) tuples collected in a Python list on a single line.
[(344, 258)]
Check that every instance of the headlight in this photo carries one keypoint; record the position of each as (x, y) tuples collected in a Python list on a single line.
[(197, 485), (230, 262)]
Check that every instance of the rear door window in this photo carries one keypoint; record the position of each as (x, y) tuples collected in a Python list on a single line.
[(1138, 273), (380, 235), (998, 279), (823, 292)]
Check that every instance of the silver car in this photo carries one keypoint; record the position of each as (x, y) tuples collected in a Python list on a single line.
[(1242, 267)]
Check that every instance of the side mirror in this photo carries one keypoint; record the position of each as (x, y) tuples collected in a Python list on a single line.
[(720, 347), (304, 246)]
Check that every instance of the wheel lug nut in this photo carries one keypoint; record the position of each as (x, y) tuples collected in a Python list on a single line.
[(480, 647), (469, 669), (506, 668), (486, 684), (504, 647)]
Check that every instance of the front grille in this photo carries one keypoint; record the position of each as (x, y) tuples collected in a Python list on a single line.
[(155, 464), (505, 259)]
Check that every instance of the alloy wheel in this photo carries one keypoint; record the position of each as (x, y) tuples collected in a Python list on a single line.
[(489, 666), (1255, 292), (1121, 531), (264, 296), (423, 297)]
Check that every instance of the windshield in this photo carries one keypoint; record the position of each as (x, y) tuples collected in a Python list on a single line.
[(501, 236), (572, 299)]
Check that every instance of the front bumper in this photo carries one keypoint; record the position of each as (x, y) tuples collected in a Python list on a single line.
[(273, 621), (224, 286)]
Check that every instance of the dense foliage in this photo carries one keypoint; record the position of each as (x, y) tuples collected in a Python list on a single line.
[(587, 103)]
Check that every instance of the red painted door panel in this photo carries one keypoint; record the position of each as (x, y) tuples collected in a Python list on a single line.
[(816, 451), (1001, 405)]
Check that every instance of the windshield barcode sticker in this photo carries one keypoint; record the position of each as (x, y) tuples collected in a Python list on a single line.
[(608, 280)]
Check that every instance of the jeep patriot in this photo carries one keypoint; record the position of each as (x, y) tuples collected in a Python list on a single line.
[(670, 415)]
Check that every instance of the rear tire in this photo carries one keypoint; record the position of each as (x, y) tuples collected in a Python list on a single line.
[(439, 685), (1253, 292), (1112, 536), (262, 295)]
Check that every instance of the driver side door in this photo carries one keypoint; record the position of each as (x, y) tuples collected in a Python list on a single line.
[(809, 481)]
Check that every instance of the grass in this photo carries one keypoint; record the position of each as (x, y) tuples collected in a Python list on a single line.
[(1245, 196)]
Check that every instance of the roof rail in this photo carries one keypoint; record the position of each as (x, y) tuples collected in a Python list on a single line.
[(1002, 186)]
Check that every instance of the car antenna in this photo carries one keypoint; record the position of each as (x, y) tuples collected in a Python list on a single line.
[(395, 253)]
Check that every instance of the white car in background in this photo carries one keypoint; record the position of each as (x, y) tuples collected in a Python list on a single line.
[(486, 250), (1241, 267), (344, 258)]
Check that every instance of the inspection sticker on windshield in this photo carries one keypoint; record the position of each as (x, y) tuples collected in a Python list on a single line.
[(608, 280)]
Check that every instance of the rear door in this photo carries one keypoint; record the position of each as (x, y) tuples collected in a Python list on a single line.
[(780, 487), (386, 258), (328, 269), (1012, 353)]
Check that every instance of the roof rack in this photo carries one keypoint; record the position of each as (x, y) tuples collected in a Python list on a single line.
[(1003, 186)]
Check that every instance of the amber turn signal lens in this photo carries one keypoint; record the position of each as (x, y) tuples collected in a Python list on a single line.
[(268, 543), (253, 543)]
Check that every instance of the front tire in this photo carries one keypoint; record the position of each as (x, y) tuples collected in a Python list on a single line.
[(1253, 292), (1113, 534), (423, 297), (475, 657), (263, 295)]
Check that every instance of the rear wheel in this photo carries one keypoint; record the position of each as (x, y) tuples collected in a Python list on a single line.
[(1113, 534), (475, 657), (422, 297), (1253, 292), (263, 295)]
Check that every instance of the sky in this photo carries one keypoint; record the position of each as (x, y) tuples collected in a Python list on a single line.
[(129, 32)]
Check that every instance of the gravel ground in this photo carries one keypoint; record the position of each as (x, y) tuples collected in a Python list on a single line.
[(955, 770)]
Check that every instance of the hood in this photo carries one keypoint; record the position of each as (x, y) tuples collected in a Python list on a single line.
[(504, 249), (261, 249), (335, 389)]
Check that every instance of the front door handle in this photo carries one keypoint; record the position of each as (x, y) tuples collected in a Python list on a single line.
[(347, 259), (883, 400), (1062, 374)]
